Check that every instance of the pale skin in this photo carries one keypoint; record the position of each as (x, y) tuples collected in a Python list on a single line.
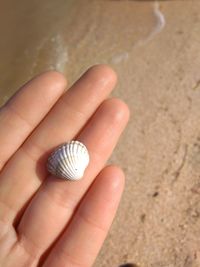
[(46, 221)]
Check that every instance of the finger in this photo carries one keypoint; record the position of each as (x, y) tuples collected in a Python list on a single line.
[(20, 115), (81, 242), (24, 173), (59, 198)]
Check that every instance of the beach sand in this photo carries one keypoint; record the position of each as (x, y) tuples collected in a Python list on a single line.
[(154, 48)]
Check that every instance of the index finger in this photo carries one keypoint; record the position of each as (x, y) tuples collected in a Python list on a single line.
[(24, 111)]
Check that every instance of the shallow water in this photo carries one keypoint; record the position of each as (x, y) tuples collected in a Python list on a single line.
[(69, 36)]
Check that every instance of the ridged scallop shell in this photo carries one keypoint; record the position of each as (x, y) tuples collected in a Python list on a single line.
[(69, 161)]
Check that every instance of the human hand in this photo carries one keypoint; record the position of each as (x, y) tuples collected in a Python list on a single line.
[(46, 221)]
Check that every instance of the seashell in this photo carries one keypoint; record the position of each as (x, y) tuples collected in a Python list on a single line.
[(69, 161)]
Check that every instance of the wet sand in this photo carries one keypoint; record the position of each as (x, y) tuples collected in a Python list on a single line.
[(154, 48)]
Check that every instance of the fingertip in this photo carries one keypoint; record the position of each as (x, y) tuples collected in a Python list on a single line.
[(54, 77), (104, 73), (122, 108), (117, 110), (113, 176)]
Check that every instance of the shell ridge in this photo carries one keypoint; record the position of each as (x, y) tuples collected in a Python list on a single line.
[(75, 155), (72, 148), (69, 160), (81, 158), (62, 164), (68, 170)]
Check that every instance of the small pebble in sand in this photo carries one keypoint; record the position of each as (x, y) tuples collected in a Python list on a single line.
[(129, 265)]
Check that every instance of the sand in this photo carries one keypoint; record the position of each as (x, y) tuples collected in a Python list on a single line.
[(154, 48)]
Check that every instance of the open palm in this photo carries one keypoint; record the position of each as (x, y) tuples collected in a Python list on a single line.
[(46, 221)]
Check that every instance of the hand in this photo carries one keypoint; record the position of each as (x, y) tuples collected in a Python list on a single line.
[(46, 221)]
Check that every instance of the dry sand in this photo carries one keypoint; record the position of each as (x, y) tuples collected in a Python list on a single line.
[(154, 47)]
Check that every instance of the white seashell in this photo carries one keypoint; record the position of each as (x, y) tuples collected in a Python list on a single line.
[(69, 161)]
